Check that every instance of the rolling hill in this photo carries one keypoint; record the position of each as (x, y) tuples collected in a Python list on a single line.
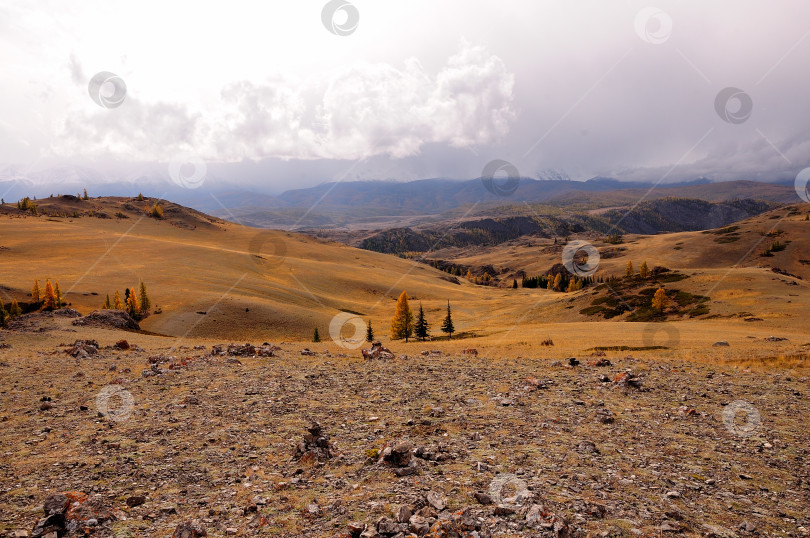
[(216, 279)]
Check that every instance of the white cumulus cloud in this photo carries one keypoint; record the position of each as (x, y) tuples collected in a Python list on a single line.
[(353, 112)]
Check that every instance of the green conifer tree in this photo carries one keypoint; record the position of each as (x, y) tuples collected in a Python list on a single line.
[(421, 327), (447, 324)]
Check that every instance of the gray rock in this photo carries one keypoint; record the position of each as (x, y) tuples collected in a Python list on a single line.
[(436, 500)]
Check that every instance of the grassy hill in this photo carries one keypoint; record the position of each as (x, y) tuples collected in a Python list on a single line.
[(214, 279)]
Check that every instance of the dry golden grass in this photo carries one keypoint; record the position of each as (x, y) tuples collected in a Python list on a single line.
[(263, 285)]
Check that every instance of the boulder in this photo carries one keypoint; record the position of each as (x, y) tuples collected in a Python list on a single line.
[(108, 319), (399, 454), (377, 351), (189, 529), (83, 348)]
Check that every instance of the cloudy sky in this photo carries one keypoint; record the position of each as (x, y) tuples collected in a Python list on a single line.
[(278, 95)]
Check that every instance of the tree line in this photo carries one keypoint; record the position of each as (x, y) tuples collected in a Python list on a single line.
[(405, 326), (137, 305)]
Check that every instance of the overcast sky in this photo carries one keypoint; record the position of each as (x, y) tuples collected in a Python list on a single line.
[(281, 95)]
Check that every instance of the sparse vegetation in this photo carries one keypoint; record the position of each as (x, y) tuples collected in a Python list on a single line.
[(35, 291), (421, 327), (50, 296), (402, 322), (146, 303), (660, 300), (447, 324), (27, 205), (644, 271), (369, 332)]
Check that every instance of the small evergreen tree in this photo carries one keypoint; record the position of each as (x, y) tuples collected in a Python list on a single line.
[(3, 314), (140, 197), (628, 269), (644, 271), (421, 327), (84, 196), (316, 337), (107, 303), (117, 301), (660, 300), (157, 211), (447, 323), (369, 332), (50, 296), (402, 322), (35, 292), (146, 304), (14, 310), (514, 284)]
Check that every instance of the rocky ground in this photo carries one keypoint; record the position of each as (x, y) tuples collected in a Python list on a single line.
[(110, 438)]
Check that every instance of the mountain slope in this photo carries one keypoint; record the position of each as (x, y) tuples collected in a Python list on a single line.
[(665, 215), (387, 204), (245, 281)]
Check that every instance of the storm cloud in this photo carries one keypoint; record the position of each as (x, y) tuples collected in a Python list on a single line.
[(271, 93)]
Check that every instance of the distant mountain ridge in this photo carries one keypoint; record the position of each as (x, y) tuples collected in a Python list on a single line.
[(355, 202), (657, 216)]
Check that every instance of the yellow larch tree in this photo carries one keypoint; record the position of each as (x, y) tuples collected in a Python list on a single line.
[(402, 322)]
